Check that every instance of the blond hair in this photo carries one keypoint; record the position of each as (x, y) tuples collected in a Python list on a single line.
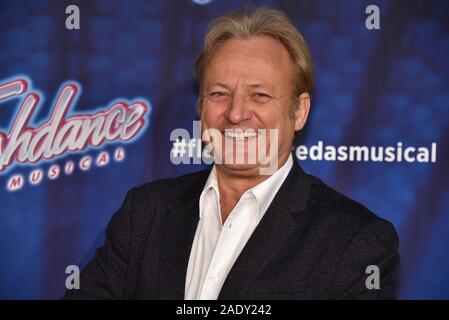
[(262, 21)]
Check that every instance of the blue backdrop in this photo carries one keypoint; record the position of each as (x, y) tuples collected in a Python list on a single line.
[(373, 87)]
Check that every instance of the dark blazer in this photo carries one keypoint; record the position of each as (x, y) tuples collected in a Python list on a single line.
[(312, 243)]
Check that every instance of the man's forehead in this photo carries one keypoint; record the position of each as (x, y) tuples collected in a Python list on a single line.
[(247, 49), (249, 85)]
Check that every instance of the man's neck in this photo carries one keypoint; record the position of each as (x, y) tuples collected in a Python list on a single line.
[(232, 184)]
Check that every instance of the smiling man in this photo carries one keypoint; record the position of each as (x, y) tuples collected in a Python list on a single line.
[(237, 231)]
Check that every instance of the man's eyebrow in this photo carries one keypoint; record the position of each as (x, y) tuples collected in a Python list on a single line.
[(260, 85), (217, 84)]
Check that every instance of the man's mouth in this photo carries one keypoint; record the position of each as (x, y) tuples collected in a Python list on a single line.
[(240, 134)]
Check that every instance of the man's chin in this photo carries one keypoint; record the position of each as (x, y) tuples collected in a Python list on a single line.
[(240, 168)]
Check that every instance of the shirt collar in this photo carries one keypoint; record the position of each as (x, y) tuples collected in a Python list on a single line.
[(264, 192), (211, 186)]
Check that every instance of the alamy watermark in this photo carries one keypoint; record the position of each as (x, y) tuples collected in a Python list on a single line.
[(229, 146)]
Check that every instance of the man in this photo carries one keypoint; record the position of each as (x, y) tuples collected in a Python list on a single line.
[(233, 232)]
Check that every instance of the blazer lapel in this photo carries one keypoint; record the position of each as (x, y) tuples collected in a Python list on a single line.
[(182, 221), (285, 215)]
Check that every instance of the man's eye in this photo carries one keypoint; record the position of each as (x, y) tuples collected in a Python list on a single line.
[(218, 96), (261, 97)]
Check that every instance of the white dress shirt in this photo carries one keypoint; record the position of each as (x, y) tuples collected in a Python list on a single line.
[(216, 246)]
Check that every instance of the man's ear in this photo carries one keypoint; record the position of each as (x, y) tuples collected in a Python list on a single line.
[(302, 110)]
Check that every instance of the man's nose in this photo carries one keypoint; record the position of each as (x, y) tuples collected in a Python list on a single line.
[(238, 110)]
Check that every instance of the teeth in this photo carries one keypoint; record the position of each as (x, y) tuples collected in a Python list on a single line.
[(238, 134)]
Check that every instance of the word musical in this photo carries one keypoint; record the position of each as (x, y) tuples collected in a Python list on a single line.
[(17, 181)]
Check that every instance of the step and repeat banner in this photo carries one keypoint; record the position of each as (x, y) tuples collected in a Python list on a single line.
[(378, 128)]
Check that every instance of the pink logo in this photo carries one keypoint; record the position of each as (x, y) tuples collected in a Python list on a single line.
[(24, 142)]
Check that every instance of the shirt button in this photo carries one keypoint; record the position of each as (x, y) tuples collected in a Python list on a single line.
[(213, 279)]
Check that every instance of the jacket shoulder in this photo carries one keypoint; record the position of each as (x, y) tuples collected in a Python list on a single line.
[(335, 208), (170, 187)]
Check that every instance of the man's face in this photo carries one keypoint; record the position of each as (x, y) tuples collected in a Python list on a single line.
[(246, 85)]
